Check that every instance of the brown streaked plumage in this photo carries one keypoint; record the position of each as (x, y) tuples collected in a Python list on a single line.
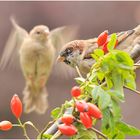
[(80, 54)]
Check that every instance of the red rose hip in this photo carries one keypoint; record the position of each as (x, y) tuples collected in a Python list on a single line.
[(102, 38), (82, 106), (94, 111), (86, 119), (76, 91), (5, 125), (68, 130), (16, 106), (67, 119), (104, 48)]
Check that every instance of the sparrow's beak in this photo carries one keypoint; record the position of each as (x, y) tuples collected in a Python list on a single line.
[(60, 59), (47, 32)]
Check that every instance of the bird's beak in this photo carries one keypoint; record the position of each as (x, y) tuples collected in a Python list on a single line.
[(47, 32), (60, 59)]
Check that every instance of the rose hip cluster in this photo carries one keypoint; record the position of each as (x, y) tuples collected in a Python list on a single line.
[(87, 111), (103, 41), (67, 128), (16, 108)]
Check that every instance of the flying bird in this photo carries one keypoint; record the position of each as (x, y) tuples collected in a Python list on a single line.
[(77, 53), (36, 51)]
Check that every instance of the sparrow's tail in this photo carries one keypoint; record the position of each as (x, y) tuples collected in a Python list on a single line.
[(35, 99)]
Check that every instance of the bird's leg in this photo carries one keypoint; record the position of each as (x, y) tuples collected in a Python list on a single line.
[(31, 79), (42, 80)]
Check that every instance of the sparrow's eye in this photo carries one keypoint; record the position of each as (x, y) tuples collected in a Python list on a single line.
[(38, 32), (67, 62), (69, 50)]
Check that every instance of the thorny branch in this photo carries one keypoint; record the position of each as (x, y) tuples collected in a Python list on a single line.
[(53, 129), (136, 91)]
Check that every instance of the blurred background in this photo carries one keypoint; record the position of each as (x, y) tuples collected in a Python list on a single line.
[(92, 18)]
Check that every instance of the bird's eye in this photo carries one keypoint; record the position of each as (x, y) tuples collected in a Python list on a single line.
[(38, 32), (69, 51)]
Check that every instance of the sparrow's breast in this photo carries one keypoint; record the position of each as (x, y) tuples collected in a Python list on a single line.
[(36, 58)]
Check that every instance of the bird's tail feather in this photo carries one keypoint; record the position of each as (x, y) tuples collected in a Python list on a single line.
[(35, 99)]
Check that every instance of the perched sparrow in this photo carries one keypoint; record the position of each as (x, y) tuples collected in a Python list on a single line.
[(78, 52), (36, 51)]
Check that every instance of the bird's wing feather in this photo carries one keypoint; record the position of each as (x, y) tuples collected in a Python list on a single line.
[(10, 54), (59, 37), (124, 35), (121, 36), (62, 35)]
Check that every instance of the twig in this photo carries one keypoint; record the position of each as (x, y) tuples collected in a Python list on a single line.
[(136, 91), (135, 52), (24, 130), (98, 132), (16, 125), (103, 84), (36, 129), (78, 71), (138, 62), (46, 127), (95, 130), (61, 111), (54, 128), (51, 122), (56, 135), (137, 65)]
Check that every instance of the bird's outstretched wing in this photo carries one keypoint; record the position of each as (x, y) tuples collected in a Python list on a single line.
[(59, 37), (11, 50), (62, 35)]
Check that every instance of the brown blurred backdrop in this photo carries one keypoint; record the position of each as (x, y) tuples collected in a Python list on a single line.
[(93, 18)]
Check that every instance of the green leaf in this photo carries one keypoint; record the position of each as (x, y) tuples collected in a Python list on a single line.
[(108, 124), (55, 112), (46, 136), (129, 81), (105, 66), (84, 133), (102, 96), (68, 104), (104, 100), (95, 57), (116, 111), (95, 92), (100, 75), (118, 84), (99, 52), (109, 82), (125, 67), (118, 135), (87, 134), (127, 129), (105, 120), (116, 70), (123, 58), (112, 42)]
